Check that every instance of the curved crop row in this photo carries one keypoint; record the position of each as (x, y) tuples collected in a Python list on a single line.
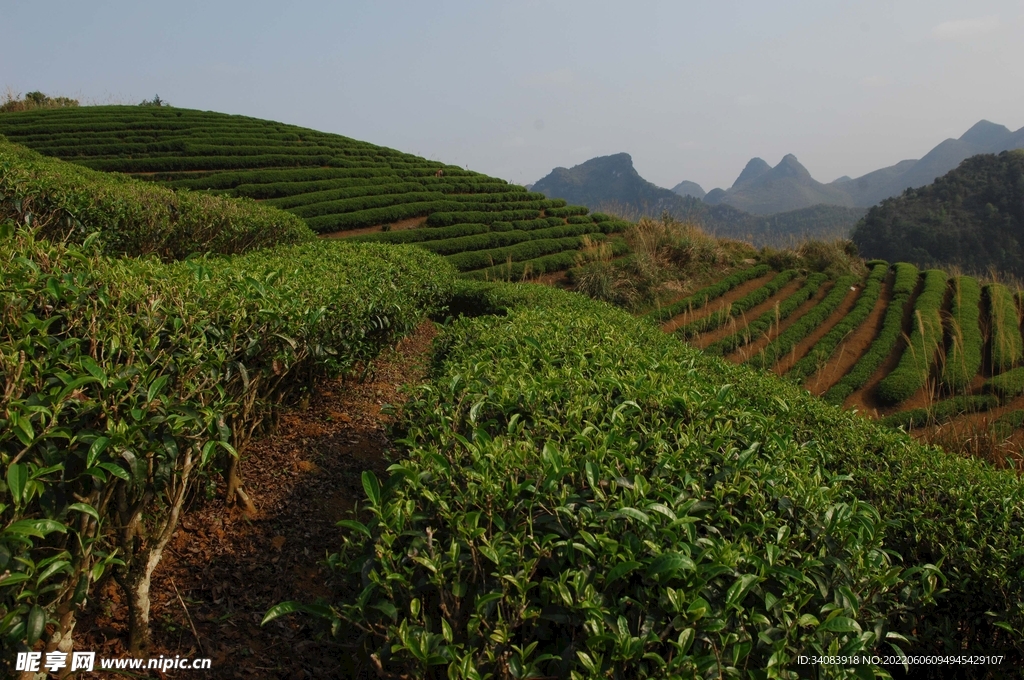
[(751, 299), (823, 349), (814, 317), (892, 328), (942, 411), (517, 271), (448, 216), (133, 217), (527, 250), (708, 293), (500, 239), (568, 211), (925, 342), (764, 323), (1004, 327), (964, 356), (1008, 384)]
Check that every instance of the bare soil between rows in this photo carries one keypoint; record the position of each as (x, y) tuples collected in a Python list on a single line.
[(804, 346), (777, 329), (740, 322), (223, 570), (718, 303)]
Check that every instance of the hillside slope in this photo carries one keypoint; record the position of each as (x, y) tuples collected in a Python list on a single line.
[(336, 185), (973, 217)]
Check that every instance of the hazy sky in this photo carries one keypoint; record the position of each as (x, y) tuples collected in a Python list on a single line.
[(513, 89)]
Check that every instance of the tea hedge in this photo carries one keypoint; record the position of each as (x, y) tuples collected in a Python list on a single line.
[(904, 284), (942, 411), (763, 324), (125, 380), (923, 346), (789, 338), (1004, 327), (751, 299), (135, 218), (708, 293), (580, 496), (964, 356), (823, 349), (1007, 384)]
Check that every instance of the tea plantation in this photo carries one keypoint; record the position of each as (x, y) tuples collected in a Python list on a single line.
[(334, 184), (576, 493)]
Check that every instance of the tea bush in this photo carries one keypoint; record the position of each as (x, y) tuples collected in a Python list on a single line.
[(580, 496), (964, 356), (911, 374), (903, 287), (1008, 384), (823, 349), (748, 301), (124, 380), (134, 218), (1004, 327), (708, 293), (764, 323), (789, 338), (942, 411)]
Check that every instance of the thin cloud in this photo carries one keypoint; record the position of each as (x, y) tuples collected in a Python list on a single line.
[(965, 29)]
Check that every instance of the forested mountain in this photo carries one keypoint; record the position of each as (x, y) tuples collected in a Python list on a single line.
[(972, 217), (983, 137)]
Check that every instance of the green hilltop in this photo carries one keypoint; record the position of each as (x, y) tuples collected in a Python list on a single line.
[(972, 217), (575, 493)]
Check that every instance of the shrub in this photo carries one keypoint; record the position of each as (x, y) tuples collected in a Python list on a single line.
[(789, 338), (823, 349), (763, 324), (708, 293), (566, 463), (941, 411), (892, 329), (751, 299), (964, 356), (143, 376), (1007, 385), (1004, 327), (925, 342), (134, 218)]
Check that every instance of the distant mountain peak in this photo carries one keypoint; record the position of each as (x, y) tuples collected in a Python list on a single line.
[(755, 168), (985, 133), (688, 188), (789, 166)]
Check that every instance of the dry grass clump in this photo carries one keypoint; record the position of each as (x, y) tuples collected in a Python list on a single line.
[(667, 255)]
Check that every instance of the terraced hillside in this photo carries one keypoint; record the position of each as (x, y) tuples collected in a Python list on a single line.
[(916, 348), (484, 226)]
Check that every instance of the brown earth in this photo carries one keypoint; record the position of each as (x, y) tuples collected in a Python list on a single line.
[(853, 348), (223, 570), (401, 225), (714, 305), (804, 346), (744, 353), (864, 399), (737, 323)]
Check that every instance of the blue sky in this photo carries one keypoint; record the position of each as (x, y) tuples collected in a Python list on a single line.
[(513, 89)]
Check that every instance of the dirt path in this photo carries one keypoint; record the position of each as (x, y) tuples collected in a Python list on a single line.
[(853, 348), (228, 570), (411, 223), (805, 345), (744, 353), (719, 303), (738, 323)]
